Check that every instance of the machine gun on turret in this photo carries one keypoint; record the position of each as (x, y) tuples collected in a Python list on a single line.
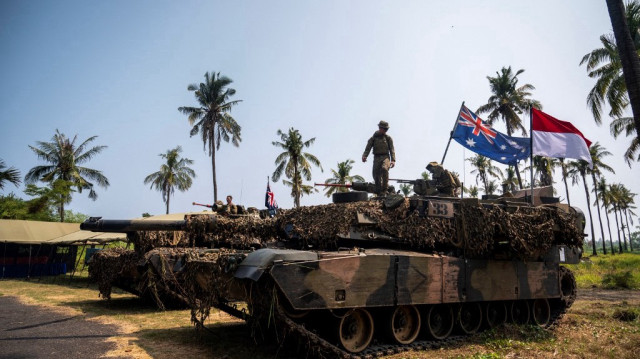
[(421, 186)]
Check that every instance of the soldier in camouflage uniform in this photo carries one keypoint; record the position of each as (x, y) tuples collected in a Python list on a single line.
[(384, 157), (444, 181)]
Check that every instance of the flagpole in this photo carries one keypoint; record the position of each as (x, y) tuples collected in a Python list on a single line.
[(451, 134), (531, 144)]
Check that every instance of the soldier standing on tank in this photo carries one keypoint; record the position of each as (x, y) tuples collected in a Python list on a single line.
[(384, 157), (444, 181)]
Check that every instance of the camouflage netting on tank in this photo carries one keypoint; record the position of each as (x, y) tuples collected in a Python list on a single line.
[(239, 232), (207, 281), (172, 277), (529, 231), (481, 227), (145, 241), (321, 226), (109, 266)]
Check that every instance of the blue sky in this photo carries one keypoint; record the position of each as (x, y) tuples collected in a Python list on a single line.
[(331, 69)]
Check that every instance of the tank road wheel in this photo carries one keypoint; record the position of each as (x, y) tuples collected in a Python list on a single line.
[(404, 324), (355, 330), (440, 321), (520, 311), (496, 314), (347, 197), (541, 312), (470, 317)]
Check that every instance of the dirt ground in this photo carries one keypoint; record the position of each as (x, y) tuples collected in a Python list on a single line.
[(587, 331)]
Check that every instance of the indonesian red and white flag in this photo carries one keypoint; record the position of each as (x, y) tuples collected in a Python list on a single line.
[(558, 139)]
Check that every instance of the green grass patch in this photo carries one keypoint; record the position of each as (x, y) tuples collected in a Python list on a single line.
[(619, 271)]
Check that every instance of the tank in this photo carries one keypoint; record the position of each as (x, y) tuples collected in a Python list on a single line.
[(362, 278)]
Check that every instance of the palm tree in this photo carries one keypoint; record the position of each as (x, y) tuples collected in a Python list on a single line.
[(10, 175), (597, 153), (626, 204), (293, 162), (626, 125), (625, 30), (604, 195), (614, 191), (213, 119), (484, 170), (406, 189), (174, 173), (544, 168), (64, 158), (472, 191), (298, 188), (342, 176), (605, 64), (508, 101), (563, 165), (578, 170), (509, 180), (490, 188)]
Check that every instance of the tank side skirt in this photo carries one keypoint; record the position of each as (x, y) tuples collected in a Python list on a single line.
[(390, 280)]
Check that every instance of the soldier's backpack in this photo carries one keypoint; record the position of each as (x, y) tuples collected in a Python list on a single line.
[(456, 180)]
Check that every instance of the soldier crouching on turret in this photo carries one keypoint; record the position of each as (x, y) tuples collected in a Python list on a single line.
[(446, 183), (384, 157)]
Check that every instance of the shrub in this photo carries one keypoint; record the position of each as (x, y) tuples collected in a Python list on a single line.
[(617, 280)]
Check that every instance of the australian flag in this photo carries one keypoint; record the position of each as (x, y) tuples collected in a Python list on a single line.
[(474, 134), (270, 201)]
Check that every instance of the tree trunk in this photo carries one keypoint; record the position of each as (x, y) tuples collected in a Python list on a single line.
[(564, 179), (615, 212), (595, 191), (296, 185), (61, 209), (626, 218), (517, 169), (628, 57), (212, 150), (518, 176), (168, 199), (624, 236), (484, 181), (593, 237), (606, 215)]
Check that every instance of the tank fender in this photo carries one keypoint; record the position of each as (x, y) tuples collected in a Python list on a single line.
[(257, 262)]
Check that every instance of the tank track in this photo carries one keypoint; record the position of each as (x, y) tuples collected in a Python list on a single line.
[(324, 349), (319, 347)]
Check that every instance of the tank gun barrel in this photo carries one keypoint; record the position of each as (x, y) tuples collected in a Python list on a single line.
[(212, 206), (97, 224), (333, 185), (355, 186)]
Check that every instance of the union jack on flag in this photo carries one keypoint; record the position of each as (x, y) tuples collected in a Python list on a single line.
[(471, 132), (269, 200), (470, 119)]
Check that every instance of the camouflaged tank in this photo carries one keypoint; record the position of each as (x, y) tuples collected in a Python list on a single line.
[(368, 278)]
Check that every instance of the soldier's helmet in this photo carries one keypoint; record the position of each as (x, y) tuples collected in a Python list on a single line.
[(383, 124), (433, 165)]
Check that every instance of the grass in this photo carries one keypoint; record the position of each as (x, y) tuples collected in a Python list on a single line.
[(619, 271)]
